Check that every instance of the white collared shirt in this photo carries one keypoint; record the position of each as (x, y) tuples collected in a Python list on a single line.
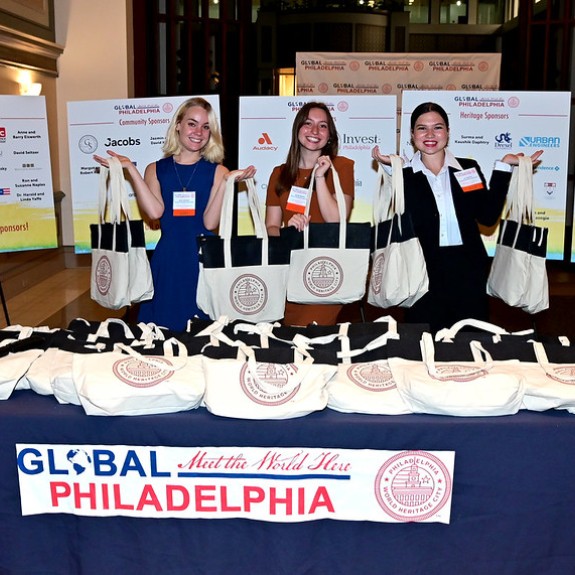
[(449, 233)]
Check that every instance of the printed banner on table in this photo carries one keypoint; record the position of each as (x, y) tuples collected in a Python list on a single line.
[(268, 484), (28, 220), (135, 128), (361, 121), (346, 73), (487, 125)]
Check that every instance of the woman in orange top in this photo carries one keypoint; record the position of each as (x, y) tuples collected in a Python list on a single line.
[(314, 144)]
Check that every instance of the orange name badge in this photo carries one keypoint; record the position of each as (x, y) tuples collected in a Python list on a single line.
[(469, 180), (297, 199), (184, 203)]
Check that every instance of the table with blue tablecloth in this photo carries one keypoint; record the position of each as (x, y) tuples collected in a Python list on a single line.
[(512, 508)]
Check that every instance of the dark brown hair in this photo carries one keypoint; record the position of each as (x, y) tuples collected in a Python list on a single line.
[(288, 174)]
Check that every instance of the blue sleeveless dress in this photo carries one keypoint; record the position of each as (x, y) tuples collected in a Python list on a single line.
[(174, 263)]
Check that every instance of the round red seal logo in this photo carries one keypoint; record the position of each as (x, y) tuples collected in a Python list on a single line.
[(563, 374), (412, 486), (377, 273), (457, 372), (483, 66), (137, 373), (270, 386), (451, 87), (371, 376), (386, 88), (103, 275), (354, 65), (418, 66), (168, 107), (513, 102), (323, 87), (249, 294), (323, 276), (342, 106)]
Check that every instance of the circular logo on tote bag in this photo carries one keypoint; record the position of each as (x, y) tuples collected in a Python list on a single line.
[(456, 372), (377, 273), (323, 276), (412, 486), (275, 376), (248, 294), (563, 374), (371, 376), (103, 275), (137, 373)]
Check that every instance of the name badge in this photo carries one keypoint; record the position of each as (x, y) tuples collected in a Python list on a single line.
[(469, 180), (297, 199), (184, 203)]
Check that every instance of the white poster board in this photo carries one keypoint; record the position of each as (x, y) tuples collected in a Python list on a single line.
[(28, 221), (487, 125), (135, 128), (362, 122)]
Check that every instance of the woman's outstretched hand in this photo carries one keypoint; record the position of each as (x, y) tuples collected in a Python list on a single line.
[(513, 159), (244, 174), (379, 157), (124, 160)]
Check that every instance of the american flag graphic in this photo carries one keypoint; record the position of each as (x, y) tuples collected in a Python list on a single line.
[(4, 191)]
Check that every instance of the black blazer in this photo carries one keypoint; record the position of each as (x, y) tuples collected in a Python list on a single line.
[(482, 206)]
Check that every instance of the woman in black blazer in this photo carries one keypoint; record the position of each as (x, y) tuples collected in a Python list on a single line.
[(447, 198)]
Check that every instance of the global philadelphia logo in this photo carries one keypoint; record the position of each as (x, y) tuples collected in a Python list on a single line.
[(79, 460)]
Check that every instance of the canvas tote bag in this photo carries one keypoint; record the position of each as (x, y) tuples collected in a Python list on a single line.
[(265, 383), (460, 388), (329, 264), (126, 382), (366, 386), (518, 274), (398, 270), (121, 273), (242, 277)]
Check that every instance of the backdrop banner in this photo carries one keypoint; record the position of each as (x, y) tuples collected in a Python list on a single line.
[(133, 127), (28, 221), (273, 484), (374, 73)]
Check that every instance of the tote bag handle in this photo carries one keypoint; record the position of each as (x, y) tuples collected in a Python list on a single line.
[(543, 361), (520, 195), (339, 198), (480, 355), (227, 218), (177, 362)]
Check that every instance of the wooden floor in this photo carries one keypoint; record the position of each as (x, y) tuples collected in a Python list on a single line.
[(57, 300), (65, 296)]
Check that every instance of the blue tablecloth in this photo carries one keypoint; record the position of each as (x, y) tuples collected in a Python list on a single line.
[(512, 511)]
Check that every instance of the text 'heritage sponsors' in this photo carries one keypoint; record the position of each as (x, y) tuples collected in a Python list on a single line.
[(267, 484)]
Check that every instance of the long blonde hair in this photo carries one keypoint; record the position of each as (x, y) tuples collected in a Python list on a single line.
[(213, 150)]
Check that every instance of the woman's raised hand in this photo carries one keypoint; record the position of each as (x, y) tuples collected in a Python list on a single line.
[(513, 159), (379, 157), (244, 174), (124, 160), (323, 164)]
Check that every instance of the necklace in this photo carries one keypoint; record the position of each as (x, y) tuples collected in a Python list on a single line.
[(184, 188)]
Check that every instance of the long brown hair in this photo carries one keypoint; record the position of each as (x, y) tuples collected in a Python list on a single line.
[(288, 173)]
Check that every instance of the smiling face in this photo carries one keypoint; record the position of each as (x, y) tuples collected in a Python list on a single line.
[(194, 129), (314, 132), (430, 134)]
